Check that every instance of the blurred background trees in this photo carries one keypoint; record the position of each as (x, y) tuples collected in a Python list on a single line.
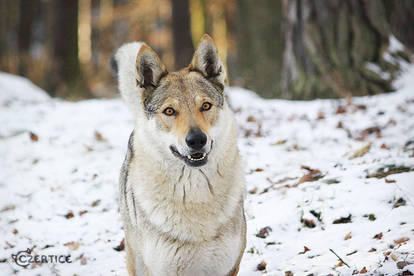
[(293, 49)]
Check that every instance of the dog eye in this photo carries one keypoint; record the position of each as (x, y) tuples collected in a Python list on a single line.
[(206, 106), (169, 111)]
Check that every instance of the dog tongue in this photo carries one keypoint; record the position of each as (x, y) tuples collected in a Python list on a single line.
[(197, 155)]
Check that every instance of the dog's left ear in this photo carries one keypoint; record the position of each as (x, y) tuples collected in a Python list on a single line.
[(207, 61)]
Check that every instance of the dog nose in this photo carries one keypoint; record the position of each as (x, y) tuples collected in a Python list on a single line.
[(196, 139)]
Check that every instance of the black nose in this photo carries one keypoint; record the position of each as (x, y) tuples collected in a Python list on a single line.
[(196, 139)]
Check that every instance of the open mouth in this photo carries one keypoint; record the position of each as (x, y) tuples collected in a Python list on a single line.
[(195, 159)]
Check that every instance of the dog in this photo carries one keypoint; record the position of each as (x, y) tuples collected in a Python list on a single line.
[(181, 186)]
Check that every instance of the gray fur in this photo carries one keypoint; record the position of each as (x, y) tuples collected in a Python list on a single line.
[(196, 83)]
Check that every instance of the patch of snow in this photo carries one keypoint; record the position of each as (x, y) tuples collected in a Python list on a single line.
[(60, 164)]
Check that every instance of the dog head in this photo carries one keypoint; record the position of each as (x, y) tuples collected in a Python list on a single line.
[(180, 111)]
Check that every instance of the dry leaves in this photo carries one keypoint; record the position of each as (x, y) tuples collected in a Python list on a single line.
[(362, 151), (96, 203), (312, 175), (99, 137), (305, 249), (388, 170), (69, 215), (401, 240), (399, 202), (343, 220), (261, 266), (378, 236), (264, 232), (33, 137), (308, 223), (72, 245), (121, 246)]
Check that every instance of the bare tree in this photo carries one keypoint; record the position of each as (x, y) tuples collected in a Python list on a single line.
[(66, 76), (321, 49), (181, 31)]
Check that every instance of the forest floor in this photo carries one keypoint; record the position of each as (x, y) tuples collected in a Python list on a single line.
[(323, 177)]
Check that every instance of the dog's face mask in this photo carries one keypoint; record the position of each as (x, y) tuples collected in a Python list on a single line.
[(183, 106)]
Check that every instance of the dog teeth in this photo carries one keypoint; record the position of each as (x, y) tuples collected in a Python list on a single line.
[(197, 159)]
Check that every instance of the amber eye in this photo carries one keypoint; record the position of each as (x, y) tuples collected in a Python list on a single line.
[(206, 106), (169, 111)]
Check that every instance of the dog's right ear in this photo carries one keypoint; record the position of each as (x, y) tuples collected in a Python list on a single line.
[(149, 69), (139, 70)]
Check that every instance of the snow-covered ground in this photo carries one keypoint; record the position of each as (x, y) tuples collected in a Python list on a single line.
[(307, 168)]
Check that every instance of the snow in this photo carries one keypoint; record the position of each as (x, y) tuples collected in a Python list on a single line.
[(61, 158)]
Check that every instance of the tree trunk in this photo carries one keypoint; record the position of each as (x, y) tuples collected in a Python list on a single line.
[(183, 45), (27, 15), (259, 46), (331, 48), (66, 79)]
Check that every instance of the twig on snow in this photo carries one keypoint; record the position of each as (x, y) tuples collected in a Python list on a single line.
[(339, 258)]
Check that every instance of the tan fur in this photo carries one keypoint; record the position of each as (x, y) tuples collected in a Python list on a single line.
[(178, 219)]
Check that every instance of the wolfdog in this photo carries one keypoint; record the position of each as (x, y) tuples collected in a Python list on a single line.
[(181, 187)]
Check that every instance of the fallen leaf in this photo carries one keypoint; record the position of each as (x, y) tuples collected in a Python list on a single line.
[(280, 142), (305, 249), (389, 180), (69, 215), (7, 208), (83, 260), (96, 203), (82, 212), (99, 137), (253, 191), (372, 250), (378, 236), (348, 236), (72, 245), (33, 137), (362, 151), (264, 232), (308, 223), (261, 266), (384, 146), (371, 130), (343, 220), (361, 107), (312, 175), (388, 170), (288, 273), (340, 110), (121, 246), (371, 217), (339, 264), (321, 116), (363, 270), (395, 258), (399, 202), (402, 264), (401, 240), (251, 119)]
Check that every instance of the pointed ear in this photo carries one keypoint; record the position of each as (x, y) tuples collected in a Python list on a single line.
[(149, 68), (207, 61)]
